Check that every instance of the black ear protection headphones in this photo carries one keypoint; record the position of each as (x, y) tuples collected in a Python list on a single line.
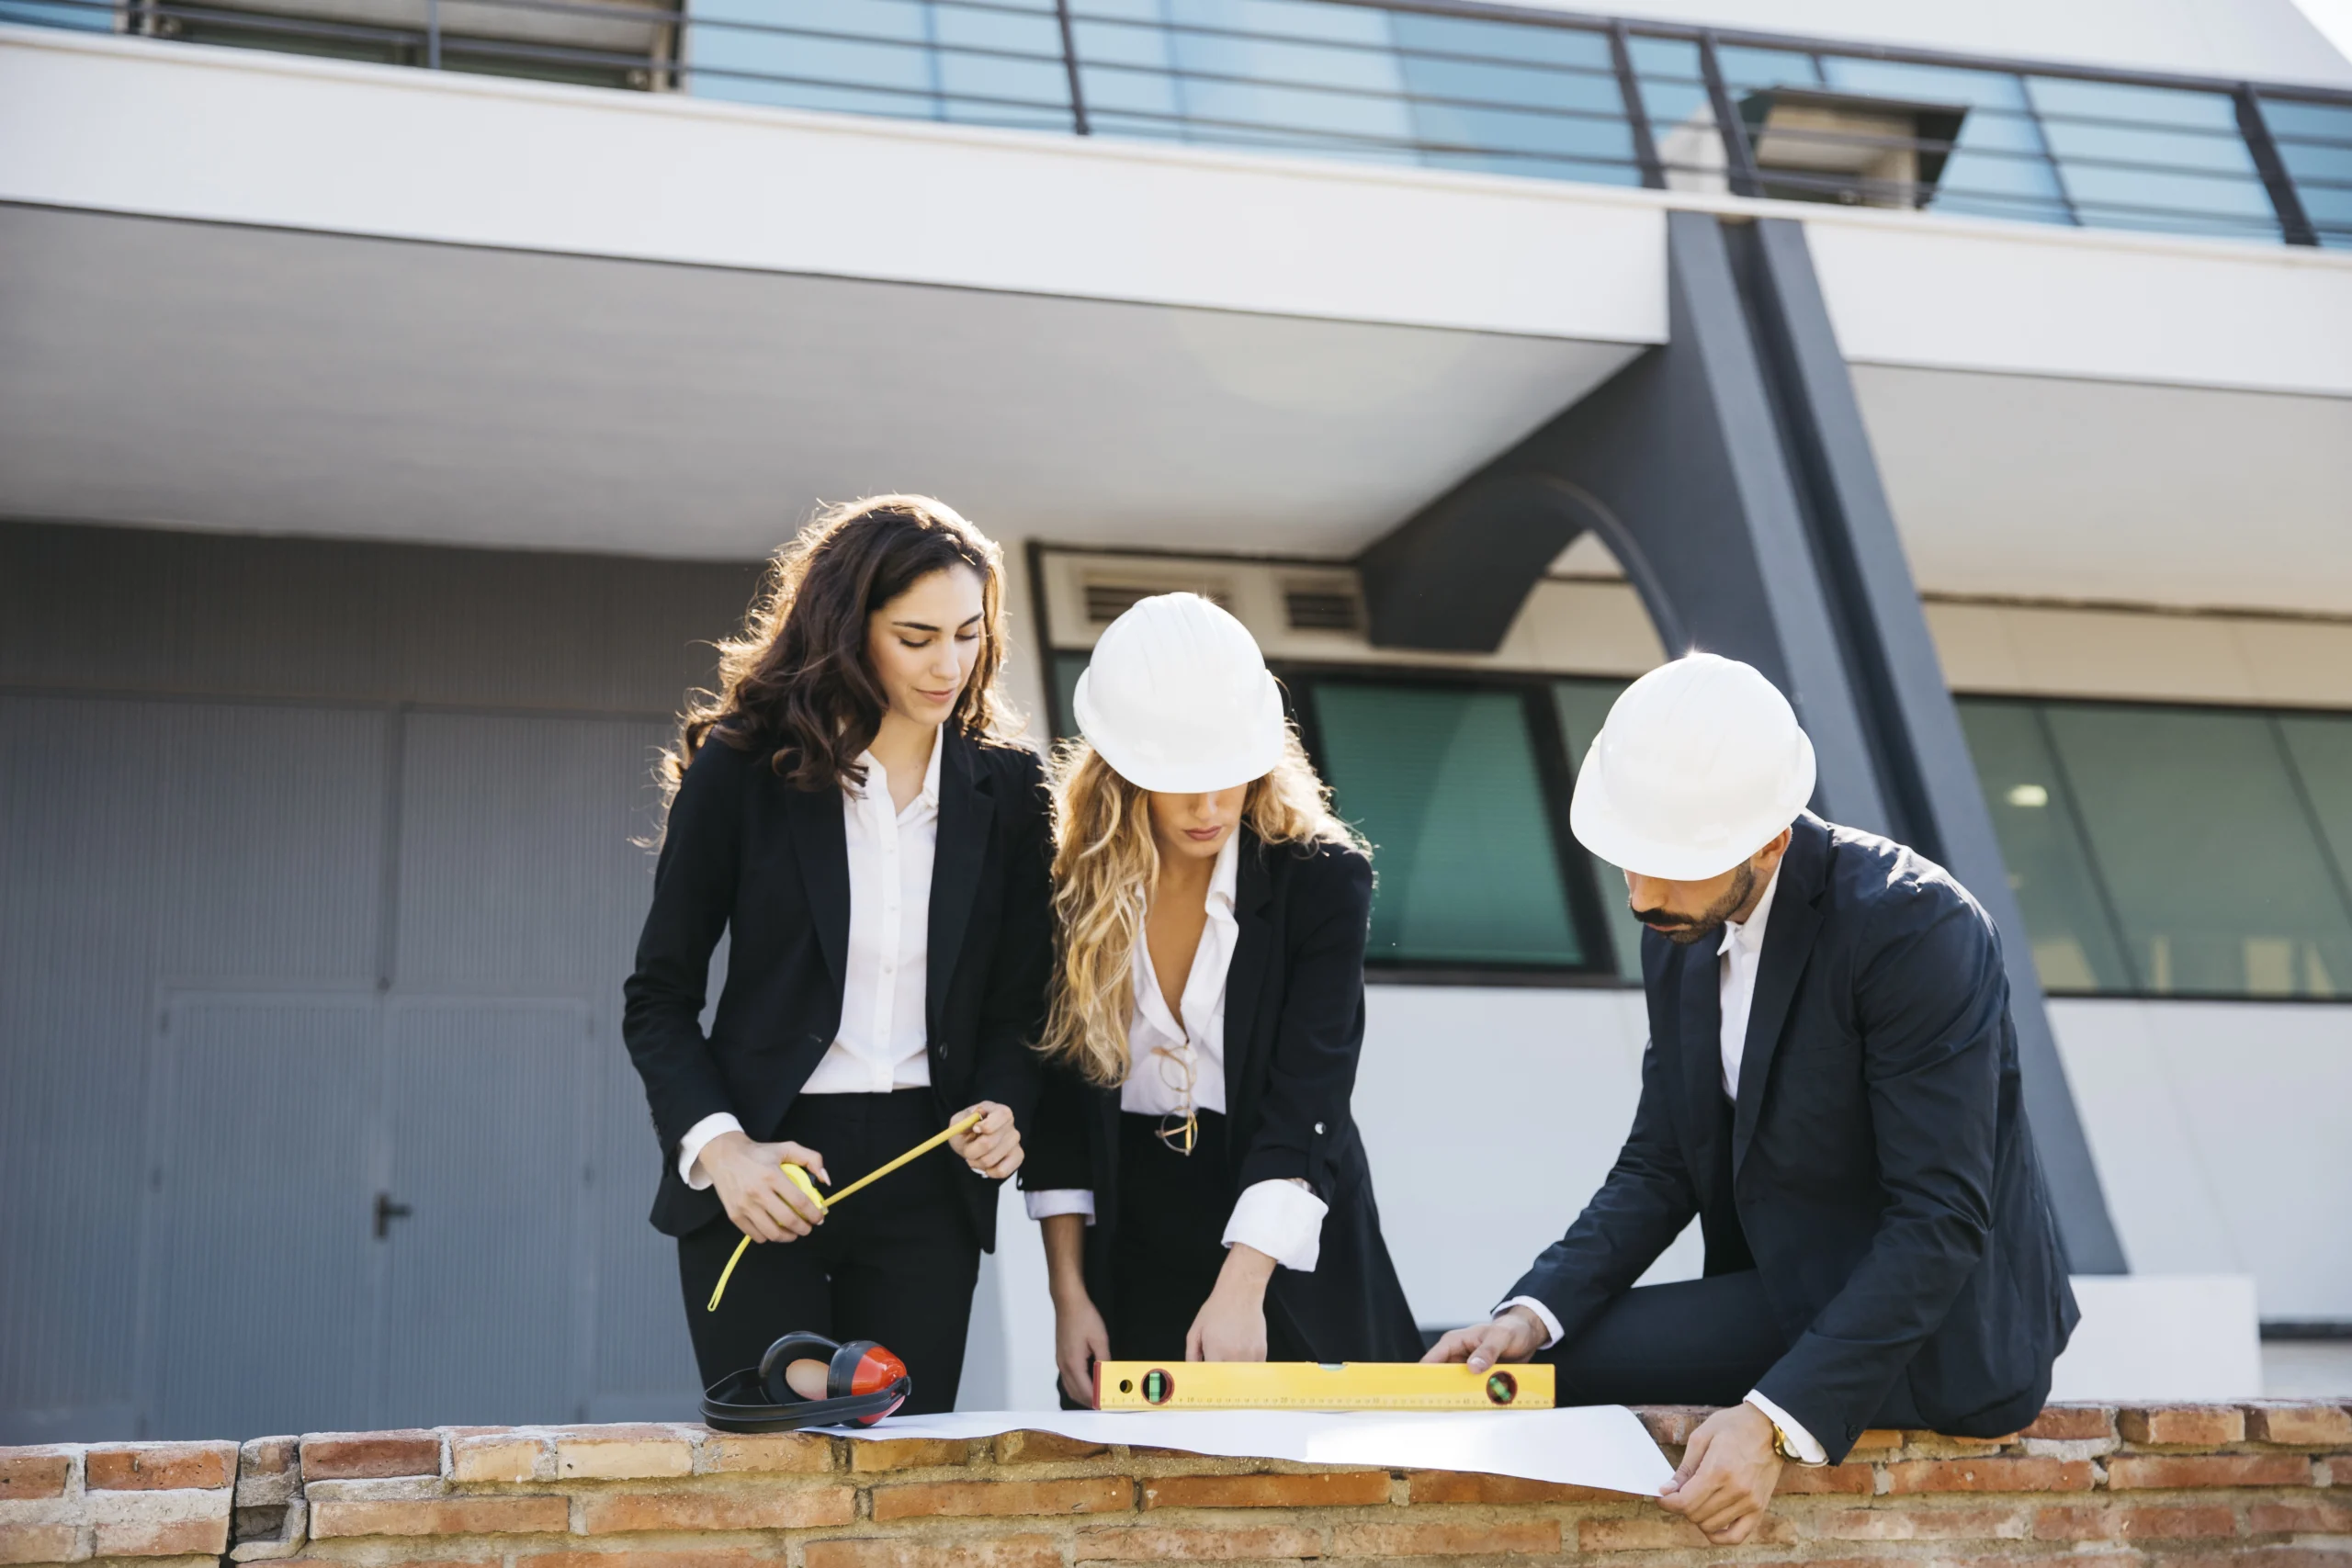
[(864, 1383)]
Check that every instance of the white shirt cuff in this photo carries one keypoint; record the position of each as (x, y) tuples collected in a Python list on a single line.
[(1280, 1219), (1543, 1313), (698, 1136), (1809, 1451), (1054, 1200)]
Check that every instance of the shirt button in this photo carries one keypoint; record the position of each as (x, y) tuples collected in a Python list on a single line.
[(1318, 1129)]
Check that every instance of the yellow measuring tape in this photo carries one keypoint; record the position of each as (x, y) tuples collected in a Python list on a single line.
[(1319, 1385), (800, 1178)]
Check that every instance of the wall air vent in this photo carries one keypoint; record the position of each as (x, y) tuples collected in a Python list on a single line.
[(1106, 601), (1319, 607)]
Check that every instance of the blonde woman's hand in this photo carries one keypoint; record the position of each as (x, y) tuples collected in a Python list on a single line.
[(992, 1148), (1081, 1339), (764, 1203)]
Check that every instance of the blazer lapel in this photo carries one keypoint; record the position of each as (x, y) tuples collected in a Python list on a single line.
[(1699, 1021), (965, 808), (1788, 943), (822, 846), (1246, 975)]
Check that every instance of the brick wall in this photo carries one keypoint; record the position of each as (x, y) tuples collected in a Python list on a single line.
[(2092, 1486)]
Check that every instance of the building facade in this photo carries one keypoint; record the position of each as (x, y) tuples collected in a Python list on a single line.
[(398, 396)]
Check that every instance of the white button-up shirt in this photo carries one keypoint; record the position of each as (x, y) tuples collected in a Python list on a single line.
[(1280, 1219), (1738, 957), (885, 1039)]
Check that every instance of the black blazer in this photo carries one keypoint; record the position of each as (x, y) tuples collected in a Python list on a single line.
[(747, 853), (1294, 1028), (1882, 1169)]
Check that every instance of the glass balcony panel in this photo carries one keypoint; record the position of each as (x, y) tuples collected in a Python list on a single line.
[(87, 15), (2157, 158), (852, 56), (2212, 860), (1746, 70), (2315, 141), (1999, 168), (1682, 121), (997, 66), (2075, 948), (1444, 782)]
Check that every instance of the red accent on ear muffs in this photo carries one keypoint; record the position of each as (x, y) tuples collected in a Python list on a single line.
[(864, 1383)]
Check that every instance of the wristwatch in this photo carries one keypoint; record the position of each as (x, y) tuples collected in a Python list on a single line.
[(1782, 1445)]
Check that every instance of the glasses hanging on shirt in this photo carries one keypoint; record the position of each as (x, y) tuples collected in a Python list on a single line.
[(1179, 1130)]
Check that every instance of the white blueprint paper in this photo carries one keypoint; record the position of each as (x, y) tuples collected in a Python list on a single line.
[(1598, 1445)]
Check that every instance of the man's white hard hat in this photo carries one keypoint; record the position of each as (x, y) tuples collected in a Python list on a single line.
[(1700, 764), (1178, 699)]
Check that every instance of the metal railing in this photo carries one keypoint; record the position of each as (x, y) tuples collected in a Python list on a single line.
[(1441, 84)]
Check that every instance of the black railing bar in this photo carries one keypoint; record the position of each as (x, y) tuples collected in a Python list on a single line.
[(824, 35), (1387, 51), (1380, 94), (1020, 13), (1310, 136), (2262, 224), (2328, 142), (1056, 107), (2111, 122), (2073, 160)]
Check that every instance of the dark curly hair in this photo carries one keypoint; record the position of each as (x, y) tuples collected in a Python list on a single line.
[(795, 683)]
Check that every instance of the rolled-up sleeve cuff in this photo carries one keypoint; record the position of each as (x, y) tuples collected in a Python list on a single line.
[(697, 1138), (1280, 1219), (1543, 1315), (1809, 1450), (1060, 1200)]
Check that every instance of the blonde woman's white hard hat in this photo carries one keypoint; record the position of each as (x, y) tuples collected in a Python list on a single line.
[(1700, 764), (1178, 699)]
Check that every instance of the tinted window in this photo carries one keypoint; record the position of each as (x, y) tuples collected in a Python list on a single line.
[(1445, 782), (2315, 141), (1584, 706)]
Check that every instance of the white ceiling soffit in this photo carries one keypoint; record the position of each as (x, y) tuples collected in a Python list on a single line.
[(2056, 489), (128, 125), (245, 378)]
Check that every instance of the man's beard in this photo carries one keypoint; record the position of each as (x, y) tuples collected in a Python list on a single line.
[(1684, 930)]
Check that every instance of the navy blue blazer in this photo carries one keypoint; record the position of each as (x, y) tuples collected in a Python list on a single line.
[(748, 855), (1881, 1166)]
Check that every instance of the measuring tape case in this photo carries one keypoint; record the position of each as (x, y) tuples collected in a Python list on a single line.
[(1318, 1385)]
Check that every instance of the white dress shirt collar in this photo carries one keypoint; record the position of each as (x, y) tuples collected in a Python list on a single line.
[(1747, 936), (878, 778), (1203, 997)]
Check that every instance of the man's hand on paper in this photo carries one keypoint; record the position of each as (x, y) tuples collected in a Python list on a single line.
[(1514, 1335), (1725, 1484), (1231, 1324)]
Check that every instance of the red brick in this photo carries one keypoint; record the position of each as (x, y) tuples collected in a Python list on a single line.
[(1004, 1552), (2117, 1522), (907, 1453), (1445, 1538), (269, 1456), (767, 1452), (34, 1472), (2304, 1425), (1168, 1543), (357, 1456), (1039, 1447), (2073, 1423), (39, 1543), (1818, 1480), (1329, 1489), (623, 1453), (1084, 1494), (2239, 1555), (735, 1508), (1939, 1445), (627, 1557), (1460, 1486), (169, 1538), (438, 1516), (1672, 1424), (1876, 1442), (1998, 1474), (1651, 1532), (505, 1456), (160, 1467), (2144, 1471), (2315, 1516), (1917, 1523), (2182, 1426)]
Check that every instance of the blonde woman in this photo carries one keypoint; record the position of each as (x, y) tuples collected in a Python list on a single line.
[(1204, 1191)]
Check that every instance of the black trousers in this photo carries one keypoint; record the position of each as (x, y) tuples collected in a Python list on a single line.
[(1693, 1342), (896, 1264)]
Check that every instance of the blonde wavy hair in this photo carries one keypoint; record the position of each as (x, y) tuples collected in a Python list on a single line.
[(1106, 864)]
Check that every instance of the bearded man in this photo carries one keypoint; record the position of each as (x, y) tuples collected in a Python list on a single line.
[(1830, 1088)]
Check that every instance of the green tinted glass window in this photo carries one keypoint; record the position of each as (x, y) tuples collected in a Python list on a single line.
[(1584, 707), (2076, 947), (1066, 669), (2320, 747), (2208, 848), (1446, 785)]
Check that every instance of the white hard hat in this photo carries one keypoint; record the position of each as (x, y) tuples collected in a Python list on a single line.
[(1700, 765), (1178, 699)]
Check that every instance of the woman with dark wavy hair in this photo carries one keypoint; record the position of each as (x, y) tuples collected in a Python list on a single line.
[(850, 812)]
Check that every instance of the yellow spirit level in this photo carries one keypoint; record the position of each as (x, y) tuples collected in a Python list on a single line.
[(1318, 1385)]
